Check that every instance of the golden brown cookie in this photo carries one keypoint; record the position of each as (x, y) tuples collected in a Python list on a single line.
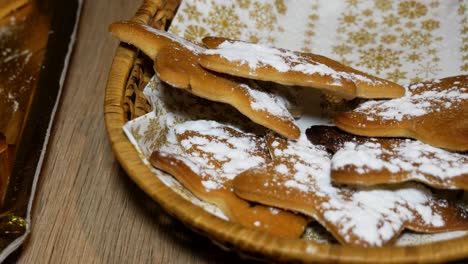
[(177, 63), (434, 112), (369, 161), (205, 156), (298, 179), (261, 62)]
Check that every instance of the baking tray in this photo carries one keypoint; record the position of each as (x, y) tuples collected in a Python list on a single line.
[(36, 42)]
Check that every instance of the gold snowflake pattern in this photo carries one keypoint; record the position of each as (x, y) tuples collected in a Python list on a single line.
[(379, 58), (389, 39), (396, 75), (244, 4), (270, 39), (412, 9), (224, 21), (410, 28), (314, 16), (175, 30), (234, 19), (464, 67), (463, 14), (361, 38), (281, 7), (195, 33), (136, 132), (253, 38), (263, 16), (391, 20), (394, 39), (153, 128), (310, 31), (342, 49), (383, 5), (370, 23), (410, 24), (192, 13), (352, 2), (416, 38), (348, 19), (427, 70), (434, 4), (430, 24), (416, 80), (367, 12), (413, 57)]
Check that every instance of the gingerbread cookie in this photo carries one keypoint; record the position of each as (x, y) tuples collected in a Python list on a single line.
[(434, 112), (298, 179), (370, 161), (177, 63), (205, 156), (266, 63)]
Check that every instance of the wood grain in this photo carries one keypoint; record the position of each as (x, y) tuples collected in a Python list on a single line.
[(86, 209)]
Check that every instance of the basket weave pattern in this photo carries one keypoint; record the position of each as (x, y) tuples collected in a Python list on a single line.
[(130, 72)]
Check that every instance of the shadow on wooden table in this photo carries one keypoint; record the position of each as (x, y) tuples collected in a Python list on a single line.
[(172, 229)]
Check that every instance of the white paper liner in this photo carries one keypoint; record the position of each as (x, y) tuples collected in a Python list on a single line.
[(146, 136), (403, 41)]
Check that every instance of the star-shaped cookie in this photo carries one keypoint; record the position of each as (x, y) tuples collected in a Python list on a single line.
[(177, 63), (206, 155), (368, 161), (433, 112), (261, 62), (298, 179)]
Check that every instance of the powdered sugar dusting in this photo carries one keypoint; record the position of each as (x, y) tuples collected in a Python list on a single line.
[(376, 216), (370, 216), (308, 163), (263, 101), (412, 157), (258, 55), (214, 151), (420, 99)]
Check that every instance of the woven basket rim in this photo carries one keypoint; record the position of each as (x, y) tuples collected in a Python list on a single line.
[(230, 234)]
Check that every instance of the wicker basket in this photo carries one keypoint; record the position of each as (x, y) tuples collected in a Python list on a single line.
[(124, 100)]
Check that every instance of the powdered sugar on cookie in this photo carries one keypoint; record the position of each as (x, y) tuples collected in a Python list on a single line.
[(258, 55), (369, 217), (420, 99), (414, 157), (271, 103), (215, 151)]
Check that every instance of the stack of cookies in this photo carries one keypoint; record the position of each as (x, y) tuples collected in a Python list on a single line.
[(396, 161)]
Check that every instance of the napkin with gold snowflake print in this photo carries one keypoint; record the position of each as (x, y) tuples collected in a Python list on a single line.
[(403, 41)]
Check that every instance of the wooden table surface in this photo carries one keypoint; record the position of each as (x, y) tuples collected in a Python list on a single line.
[(86, 209)]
